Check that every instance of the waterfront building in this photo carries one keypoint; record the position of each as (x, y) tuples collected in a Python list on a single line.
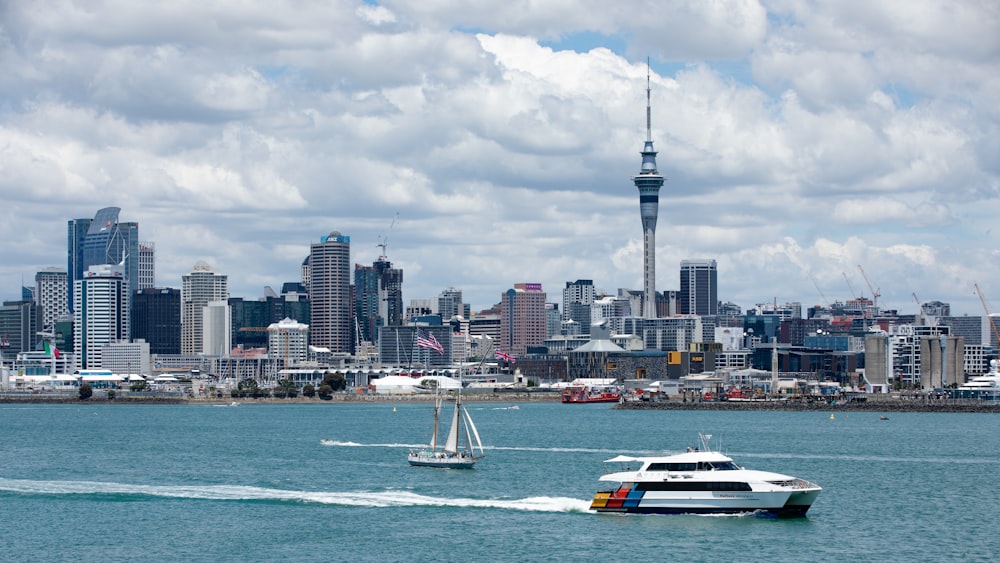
[(100, 312), (330, 293), (51, 295), (156, 319), (699, 292), (199, 287), (126, 358), (216, 333), (522, 318), (288, 340), (553, 320), (942, 361)]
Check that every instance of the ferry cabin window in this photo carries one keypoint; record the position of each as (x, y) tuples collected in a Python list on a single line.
[(693, 486), (699, 466)]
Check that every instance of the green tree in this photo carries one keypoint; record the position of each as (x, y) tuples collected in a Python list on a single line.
[(141, 385), (86, 391), (308, 390), (335, 381), (111, 393), (325, 392)]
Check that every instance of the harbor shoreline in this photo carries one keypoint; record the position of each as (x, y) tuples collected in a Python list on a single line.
[(870, 404)]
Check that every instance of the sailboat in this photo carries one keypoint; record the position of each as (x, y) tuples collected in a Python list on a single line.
[(461, 444)]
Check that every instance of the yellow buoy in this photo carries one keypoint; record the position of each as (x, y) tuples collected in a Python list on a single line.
[(831, 417)]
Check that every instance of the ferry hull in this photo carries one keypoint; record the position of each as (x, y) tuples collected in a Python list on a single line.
[(781, 504)]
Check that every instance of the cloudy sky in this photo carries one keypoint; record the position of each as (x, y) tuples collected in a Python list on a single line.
[(493, 145)]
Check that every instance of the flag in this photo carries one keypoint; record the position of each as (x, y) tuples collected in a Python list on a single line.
[(504, 356), (427, 340), (51, 350)]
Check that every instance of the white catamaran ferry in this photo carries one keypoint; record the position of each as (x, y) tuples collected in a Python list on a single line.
[(701, 481)]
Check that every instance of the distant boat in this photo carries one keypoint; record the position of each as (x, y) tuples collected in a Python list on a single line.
[(459, 450), (883, 417), (591, 394)]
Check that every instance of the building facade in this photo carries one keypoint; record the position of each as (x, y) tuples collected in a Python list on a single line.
[(156, 319), (51, 295), (699, 290), (199, 287), (100, 313), (522, 318), (330, 293)]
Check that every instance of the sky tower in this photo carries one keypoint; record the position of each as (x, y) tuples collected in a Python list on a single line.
[(648, 181)]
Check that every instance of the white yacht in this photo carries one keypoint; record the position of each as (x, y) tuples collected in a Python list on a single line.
[(701, 481), (983, 387)]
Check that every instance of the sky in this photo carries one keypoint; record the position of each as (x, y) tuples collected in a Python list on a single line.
[(807, 145)]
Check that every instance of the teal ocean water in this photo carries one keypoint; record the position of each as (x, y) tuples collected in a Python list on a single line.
[(94, 482)]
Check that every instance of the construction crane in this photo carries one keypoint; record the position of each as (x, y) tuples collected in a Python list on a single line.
[(854, 294), (993, 325), (875, 293), (821, 294), (920, 306), (385, 238)]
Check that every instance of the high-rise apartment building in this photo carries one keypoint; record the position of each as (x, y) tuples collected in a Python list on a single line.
[(199, 287), (330, 293), (522, 318), (378, 297), (577, 297), (288, 340), (100, 312), (156, 318), (699, 292), (51, 295), (648, 182)]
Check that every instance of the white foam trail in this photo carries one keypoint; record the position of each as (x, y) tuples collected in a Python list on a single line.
[(326, 442), (376, 499)]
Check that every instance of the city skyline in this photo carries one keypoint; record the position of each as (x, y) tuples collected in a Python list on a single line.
[(798, 142)]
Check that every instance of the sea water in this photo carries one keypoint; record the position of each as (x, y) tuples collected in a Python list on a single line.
[(330, 482)]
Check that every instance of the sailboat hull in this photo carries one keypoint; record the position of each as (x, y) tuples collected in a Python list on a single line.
[(440, 460)]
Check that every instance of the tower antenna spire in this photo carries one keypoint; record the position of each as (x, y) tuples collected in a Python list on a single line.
[(649, 119)]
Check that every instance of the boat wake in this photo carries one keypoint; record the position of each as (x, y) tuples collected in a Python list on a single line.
[(370, 499), (329, 442)]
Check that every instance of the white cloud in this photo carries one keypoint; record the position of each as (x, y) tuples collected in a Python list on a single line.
[(799, 140)]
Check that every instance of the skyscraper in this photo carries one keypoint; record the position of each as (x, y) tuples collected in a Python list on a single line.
[(648, 182), (199, 287), (330, 293), (156, 318), (76, 233), (100, 305), (147, 265), (699, 293), (522, 318), (450, 304), (50, 294), (378, 297)]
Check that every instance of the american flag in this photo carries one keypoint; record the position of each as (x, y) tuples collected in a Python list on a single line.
[(427, 340), (504, 356)]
